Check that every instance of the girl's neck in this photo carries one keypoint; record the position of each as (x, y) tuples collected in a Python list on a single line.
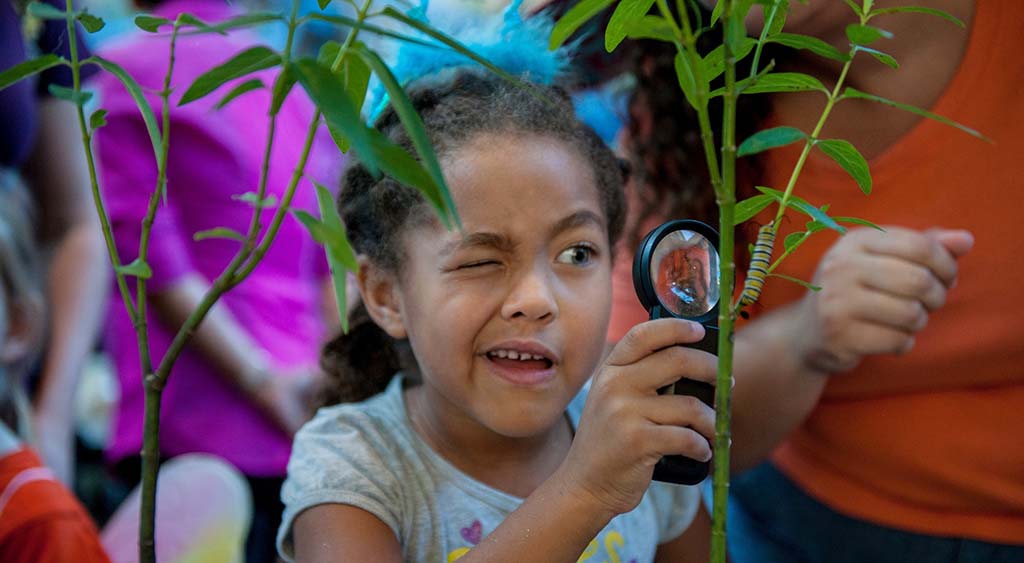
[(513, 465), (929, 50)]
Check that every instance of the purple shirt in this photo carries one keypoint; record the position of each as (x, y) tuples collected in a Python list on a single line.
[(214, 155)]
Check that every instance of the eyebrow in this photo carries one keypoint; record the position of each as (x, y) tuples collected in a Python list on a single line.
[(493, 240), (577, 219), (505, 244)]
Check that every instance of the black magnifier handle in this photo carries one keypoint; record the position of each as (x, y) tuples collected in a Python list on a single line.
[(676, 468)]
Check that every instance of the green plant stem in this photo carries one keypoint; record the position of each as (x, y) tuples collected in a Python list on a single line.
[(97, 198), (761, 40), (686, 47), (153, 385), (833, 97), (297, 174), (727, 229)]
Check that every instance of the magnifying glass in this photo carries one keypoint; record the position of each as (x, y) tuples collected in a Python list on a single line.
[(675, 274)]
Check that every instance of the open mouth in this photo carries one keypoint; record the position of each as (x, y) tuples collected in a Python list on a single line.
[(513, 359)]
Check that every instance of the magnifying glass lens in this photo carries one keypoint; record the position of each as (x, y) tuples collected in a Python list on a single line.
[(684, 269)]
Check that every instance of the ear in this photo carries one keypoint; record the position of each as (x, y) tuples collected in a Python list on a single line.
[(24, 330), (380, 294)]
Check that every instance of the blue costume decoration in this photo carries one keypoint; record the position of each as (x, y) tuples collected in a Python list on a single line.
[(516, 45)]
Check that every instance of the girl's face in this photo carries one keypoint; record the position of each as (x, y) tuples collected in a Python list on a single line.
[(507, 319)]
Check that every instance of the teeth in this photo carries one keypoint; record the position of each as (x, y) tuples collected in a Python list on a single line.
[(514, 355)]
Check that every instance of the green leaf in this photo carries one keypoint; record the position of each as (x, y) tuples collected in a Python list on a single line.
[(714, 62), (247, 86), (778, 82), (401, 166), (28, 68), (796, 281), (363, 26), (91, 23), (328, 93), (716, 12), (650, 27), (853, 93), (341, 260), (248, 61), (414, 127), (253, 199), (919, 10), (342, 251), (884, 58), (770, 139), (98, 119), (865, 34), (78, 98), (45, 11), (748, 208), (804, 207), (323, 4), (137, 268), (684, 74), (857, 221), (812, 44), (853, 6), (148, 117), (219, 232), (779, 21), (282, 86), (354, 72), (847, 156), (200, 25), (794, 240), (627, 12), (578, 15), (150, 23), (244, 20), (454, 44)]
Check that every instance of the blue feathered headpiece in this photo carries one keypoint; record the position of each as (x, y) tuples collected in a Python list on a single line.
[(516, 45)]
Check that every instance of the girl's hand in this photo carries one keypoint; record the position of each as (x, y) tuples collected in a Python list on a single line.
[(627, 427), (877, 290)]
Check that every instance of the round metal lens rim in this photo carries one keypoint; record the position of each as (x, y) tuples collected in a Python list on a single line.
[(642, 264)]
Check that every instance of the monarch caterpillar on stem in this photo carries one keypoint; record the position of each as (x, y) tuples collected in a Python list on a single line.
[(760, 260)]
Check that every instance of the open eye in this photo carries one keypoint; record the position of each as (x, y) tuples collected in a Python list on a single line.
[(577, 255)]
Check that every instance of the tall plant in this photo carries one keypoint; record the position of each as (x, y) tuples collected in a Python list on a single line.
[(697, 73), (336, 81)]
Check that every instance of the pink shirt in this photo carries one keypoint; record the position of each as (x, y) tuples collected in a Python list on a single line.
[(214, 155)]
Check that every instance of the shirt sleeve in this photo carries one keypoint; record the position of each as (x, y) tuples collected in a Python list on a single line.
[(336, 460), (675, 506)]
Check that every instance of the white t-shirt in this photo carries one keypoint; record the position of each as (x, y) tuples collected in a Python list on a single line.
[(368, 455)]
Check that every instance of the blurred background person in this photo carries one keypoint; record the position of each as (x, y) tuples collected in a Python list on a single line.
[(240, 388), (39, 136), (881, 439)]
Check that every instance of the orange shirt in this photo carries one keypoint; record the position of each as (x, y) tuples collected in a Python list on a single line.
[(933, 441), (40, 520)]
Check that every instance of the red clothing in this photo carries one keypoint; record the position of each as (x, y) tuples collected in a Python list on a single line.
[(929, 442), (40, 520)]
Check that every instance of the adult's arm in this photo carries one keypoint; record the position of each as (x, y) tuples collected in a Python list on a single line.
[(877, 292)]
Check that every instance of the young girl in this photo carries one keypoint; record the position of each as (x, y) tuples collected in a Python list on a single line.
[(482, 448)]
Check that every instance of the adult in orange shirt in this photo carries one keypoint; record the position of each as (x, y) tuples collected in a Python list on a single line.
[(886, 440)]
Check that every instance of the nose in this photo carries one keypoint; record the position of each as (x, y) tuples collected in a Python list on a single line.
[(532, 297)]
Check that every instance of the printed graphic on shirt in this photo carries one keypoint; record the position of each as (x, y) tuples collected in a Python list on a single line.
[(607, 547)]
